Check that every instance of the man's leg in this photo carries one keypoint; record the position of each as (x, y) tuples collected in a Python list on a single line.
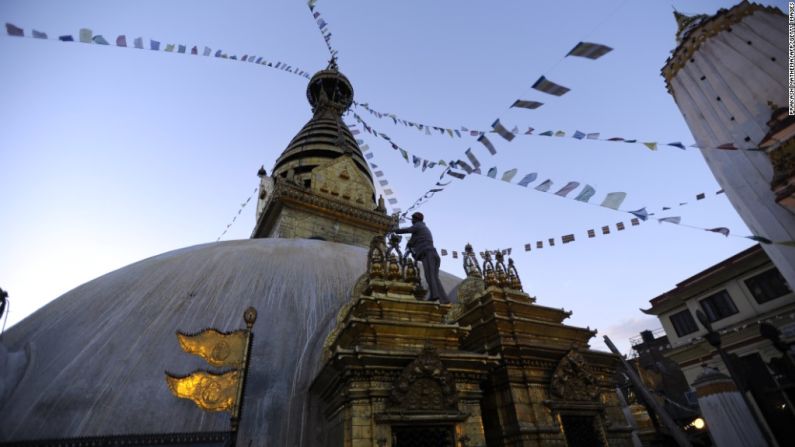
[(430, 264)]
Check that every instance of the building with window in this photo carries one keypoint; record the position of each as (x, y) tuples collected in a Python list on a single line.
[(735, 295)]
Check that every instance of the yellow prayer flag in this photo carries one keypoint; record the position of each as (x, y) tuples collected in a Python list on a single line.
[(651, 145), (217, 348), (210, 391)]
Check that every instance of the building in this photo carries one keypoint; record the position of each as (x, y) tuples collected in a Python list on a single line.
[(343, 353), (735, 295), (727, 75)]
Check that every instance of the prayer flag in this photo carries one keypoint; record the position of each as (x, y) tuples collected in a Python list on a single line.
[(589, 50), (368, 155), (444, 252), (727, 146), (591, 233), (471, 156), (560, 133), (635, 222), (208, 343), (379, 173), (383, 182), (544, 187), (578, 135), (641, 214), (546, 134), (194, 51), (39, 35), (485, 141), (492, 172), (316, 14), (567, 238), (392, 201), (586, 194), (546, 86), (666, 208), (138, 43), (539, 244), (593, 136), (508, 175), (14, 30), (154, 45), (614, 200), (404, 154), (615, 139), (605, 230), (207, 51), (169, 47), (761, 239), (66, 38), (527, 179), (674, 220), (567, 189), (455, 254), (620, 226), (321, 23), (700, 196), (677, 144), (529, 131), (651, 145), (85, 35), (457, 175), (181, 49), (465, 166), (722, 230), (311, 4), (527, 104), (720, 191), (551, 242), (527, 247), (100, 40), (121, 41)]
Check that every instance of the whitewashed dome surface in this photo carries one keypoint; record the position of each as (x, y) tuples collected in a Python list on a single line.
[(91, 362)]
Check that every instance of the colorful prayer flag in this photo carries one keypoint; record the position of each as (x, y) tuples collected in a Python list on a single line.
[(544, 186), (498, 127), (551, 242), (194, 51), (586, 194), (39, 35), (722, 230), (121, 41), (761, 239), (98, 39), (539, 244), (85, 35), (66, 38), (138, 43), (674, 220), (527, 179), (527, 247), (641, 214), (154, 45), (546, 86), (677, 144), (605, 230), (455, 254), (560, 133), (578, 135), (207, 51), (635, 222), (591, 233), (492, 172), (593, 136), (620, 226), (527, 104), (614, 200), (181, 48), (651, 145), (589, 50), (444, 252), (485, 141), (546, 134), (508, 175), (567, 238), (567, 189), (14, 30), (700, 196), (457, 175)]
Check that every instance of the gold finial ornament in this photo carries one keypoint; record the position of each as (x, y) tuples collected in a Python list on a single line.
[(394, 268), (502, 277), (471, 266), (513, 276), (375, 258), (488, 270)]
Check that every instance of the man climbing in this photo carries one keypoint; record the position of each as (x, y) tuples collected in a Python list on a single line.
[(421, 245)]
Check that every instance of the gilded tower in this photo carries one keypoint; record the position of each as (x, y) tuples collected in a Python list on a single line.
[(320, 186)]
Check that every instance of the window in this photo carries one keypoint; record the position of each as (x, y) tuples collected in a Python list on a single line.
[(683, 323), (718, 306), (767, 286)]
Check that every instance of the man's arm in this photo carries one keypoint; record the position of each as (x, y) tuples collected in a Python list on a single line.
[(412, 229)]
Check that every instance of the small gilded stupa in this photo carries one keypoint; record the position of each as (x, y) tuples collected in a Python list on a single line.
[(342, 353)]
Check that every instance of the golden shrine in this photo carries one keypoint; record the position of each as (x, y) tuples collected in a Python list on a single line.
[(494, 369)]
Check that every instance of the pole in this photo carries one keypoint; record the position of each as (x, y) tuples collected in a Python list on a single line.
[(250, 316), (676, 432)]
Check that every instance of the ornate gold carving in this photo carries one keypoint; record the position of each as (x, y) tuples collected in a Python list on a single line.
[(471, 266), (488, 270), (470, 288), (573, 379), (499, 269), (344, 180), (376, 259), (513, 276), (210, 391), (424, 386), (697, 35), (217, 348)]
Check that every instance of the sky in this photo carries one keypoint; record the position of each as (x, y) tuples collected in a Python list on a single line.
[(112, 155)]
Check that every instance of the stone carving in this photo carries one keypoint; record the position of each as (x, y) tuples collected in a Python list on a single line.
[(343, 177), (424, 386), (573, 379)]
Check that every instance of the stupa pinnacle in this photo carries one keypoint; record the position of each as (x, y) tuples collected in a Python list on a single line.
[(320, 186)]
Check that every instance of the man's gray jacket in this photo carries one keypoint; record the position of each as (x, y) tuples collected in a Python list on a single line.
[(421, 240)]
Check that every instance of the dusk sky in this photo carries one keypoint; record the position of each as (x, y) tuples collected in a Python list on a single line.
[(111, 155)]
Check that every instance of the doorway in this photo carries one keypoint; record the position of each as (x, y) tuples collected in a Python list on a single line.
[(581, 431), (423, 436)]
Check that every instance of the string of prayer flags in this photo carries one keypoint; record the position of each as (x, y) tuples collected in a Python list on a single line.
[(589, 50), (549, 87), (322, 26), (722, 230), (86, 35), (242, 205), (471, 157), (527, 104)]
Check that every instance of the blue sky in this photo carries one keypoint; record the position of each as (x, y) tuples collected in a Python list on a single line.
[(111, 155)]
